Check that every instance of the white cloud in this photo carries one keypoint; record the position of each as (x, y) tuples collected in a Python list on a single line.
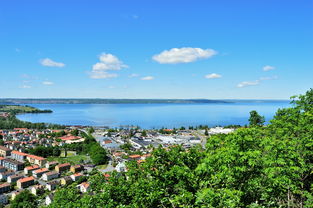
[(47, 83), (256, 82), (102, 75), (147, 78), (25, 86), (108, 62), (248, 83), (268, 78), (213, 76), (133, 75), (268, 68), (183, 55), (50, 63)]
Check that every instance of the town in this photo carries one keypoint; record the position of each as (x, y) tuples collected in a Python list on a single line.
[(41, 161)]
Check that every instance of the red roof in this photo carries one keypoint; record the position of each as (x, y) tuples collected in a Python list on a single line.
[(19, 153), (135, 156), (4, 185), (36, 157), (32, 167), (64, 138), (41, 170), (77, 174), (85, 184), (64, 164), (22, 180), (106, 175)]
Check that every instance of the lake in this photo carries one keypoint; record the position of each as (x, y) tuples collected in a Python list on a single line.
[(154, 115)]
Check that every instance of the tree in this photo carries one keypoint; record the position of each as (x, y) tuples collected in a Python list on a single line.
[(206, 133), (25, 199), (144, 133), (255, 119)]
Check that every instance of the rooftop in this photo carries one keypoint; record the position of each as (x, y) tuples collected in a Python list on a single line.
[(23, 180), (32, 167), (4, 185), (4, 148), (36, 157), (18, 153), (41, 170)]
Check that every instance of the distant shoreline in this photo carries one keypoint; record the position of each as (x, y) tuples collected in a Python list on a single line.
[(15, 101)]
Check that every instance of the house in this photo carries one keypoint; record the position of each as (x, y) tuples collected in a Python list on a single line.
[(20, 156), (63, 167), (12, 164), (15, 193), (50, 175), (76, 176), (66, 180), (3, 199), (52, 185), (4, 151), (76, 168), (30, 169), (134, 157), (33, 159), (2, 169), (14, 178), (5, 187), (38, 173), (84, 187), (49, 199), (1, 160), (120, 167), (51, 164), (4, 175), (37, 190), (25, 182)]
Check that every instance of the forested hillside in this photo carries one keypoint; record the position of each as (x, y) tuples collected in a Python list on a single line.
[(259, 166)]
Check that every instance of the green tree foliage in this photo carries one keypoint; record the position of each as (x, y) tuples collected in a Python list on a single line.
[(255, 119), (25, 199), (45, 151)]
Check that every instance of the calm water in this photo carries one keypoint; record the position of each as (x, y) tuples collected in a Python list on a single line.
[(152, 115)]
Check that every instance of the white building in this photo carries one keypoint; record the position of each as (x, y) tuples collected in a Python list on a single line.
[(120, 167), (49, 199), (50, 175)]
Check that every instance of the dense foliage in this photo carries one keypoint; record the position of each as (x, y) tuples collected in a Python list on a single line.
[(12, 122), (24, 200), (43, 151), (91, 147), (15, 109)]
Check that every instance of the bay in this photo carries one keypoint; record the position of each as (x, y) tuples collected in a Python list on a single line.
[(150, 116)]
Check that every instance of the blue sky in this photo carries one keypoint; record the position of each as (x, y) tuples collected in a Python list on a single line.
[(156, 49)]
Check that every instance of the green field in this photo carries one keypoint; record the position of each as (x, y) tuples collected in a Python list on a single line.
[(71, 158)]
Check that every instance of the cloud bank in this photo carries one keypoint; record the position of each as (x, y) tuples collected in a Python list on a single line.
[(50, 63), (183, 55), (213, 76), (107, 62)]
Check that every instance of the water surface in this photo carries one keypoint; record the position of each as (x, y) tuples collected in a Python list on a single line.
[(153, 115)]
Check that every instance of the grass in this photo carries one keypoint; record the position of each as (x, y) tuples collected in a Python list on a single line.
[(101, 166), (73, 159)]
